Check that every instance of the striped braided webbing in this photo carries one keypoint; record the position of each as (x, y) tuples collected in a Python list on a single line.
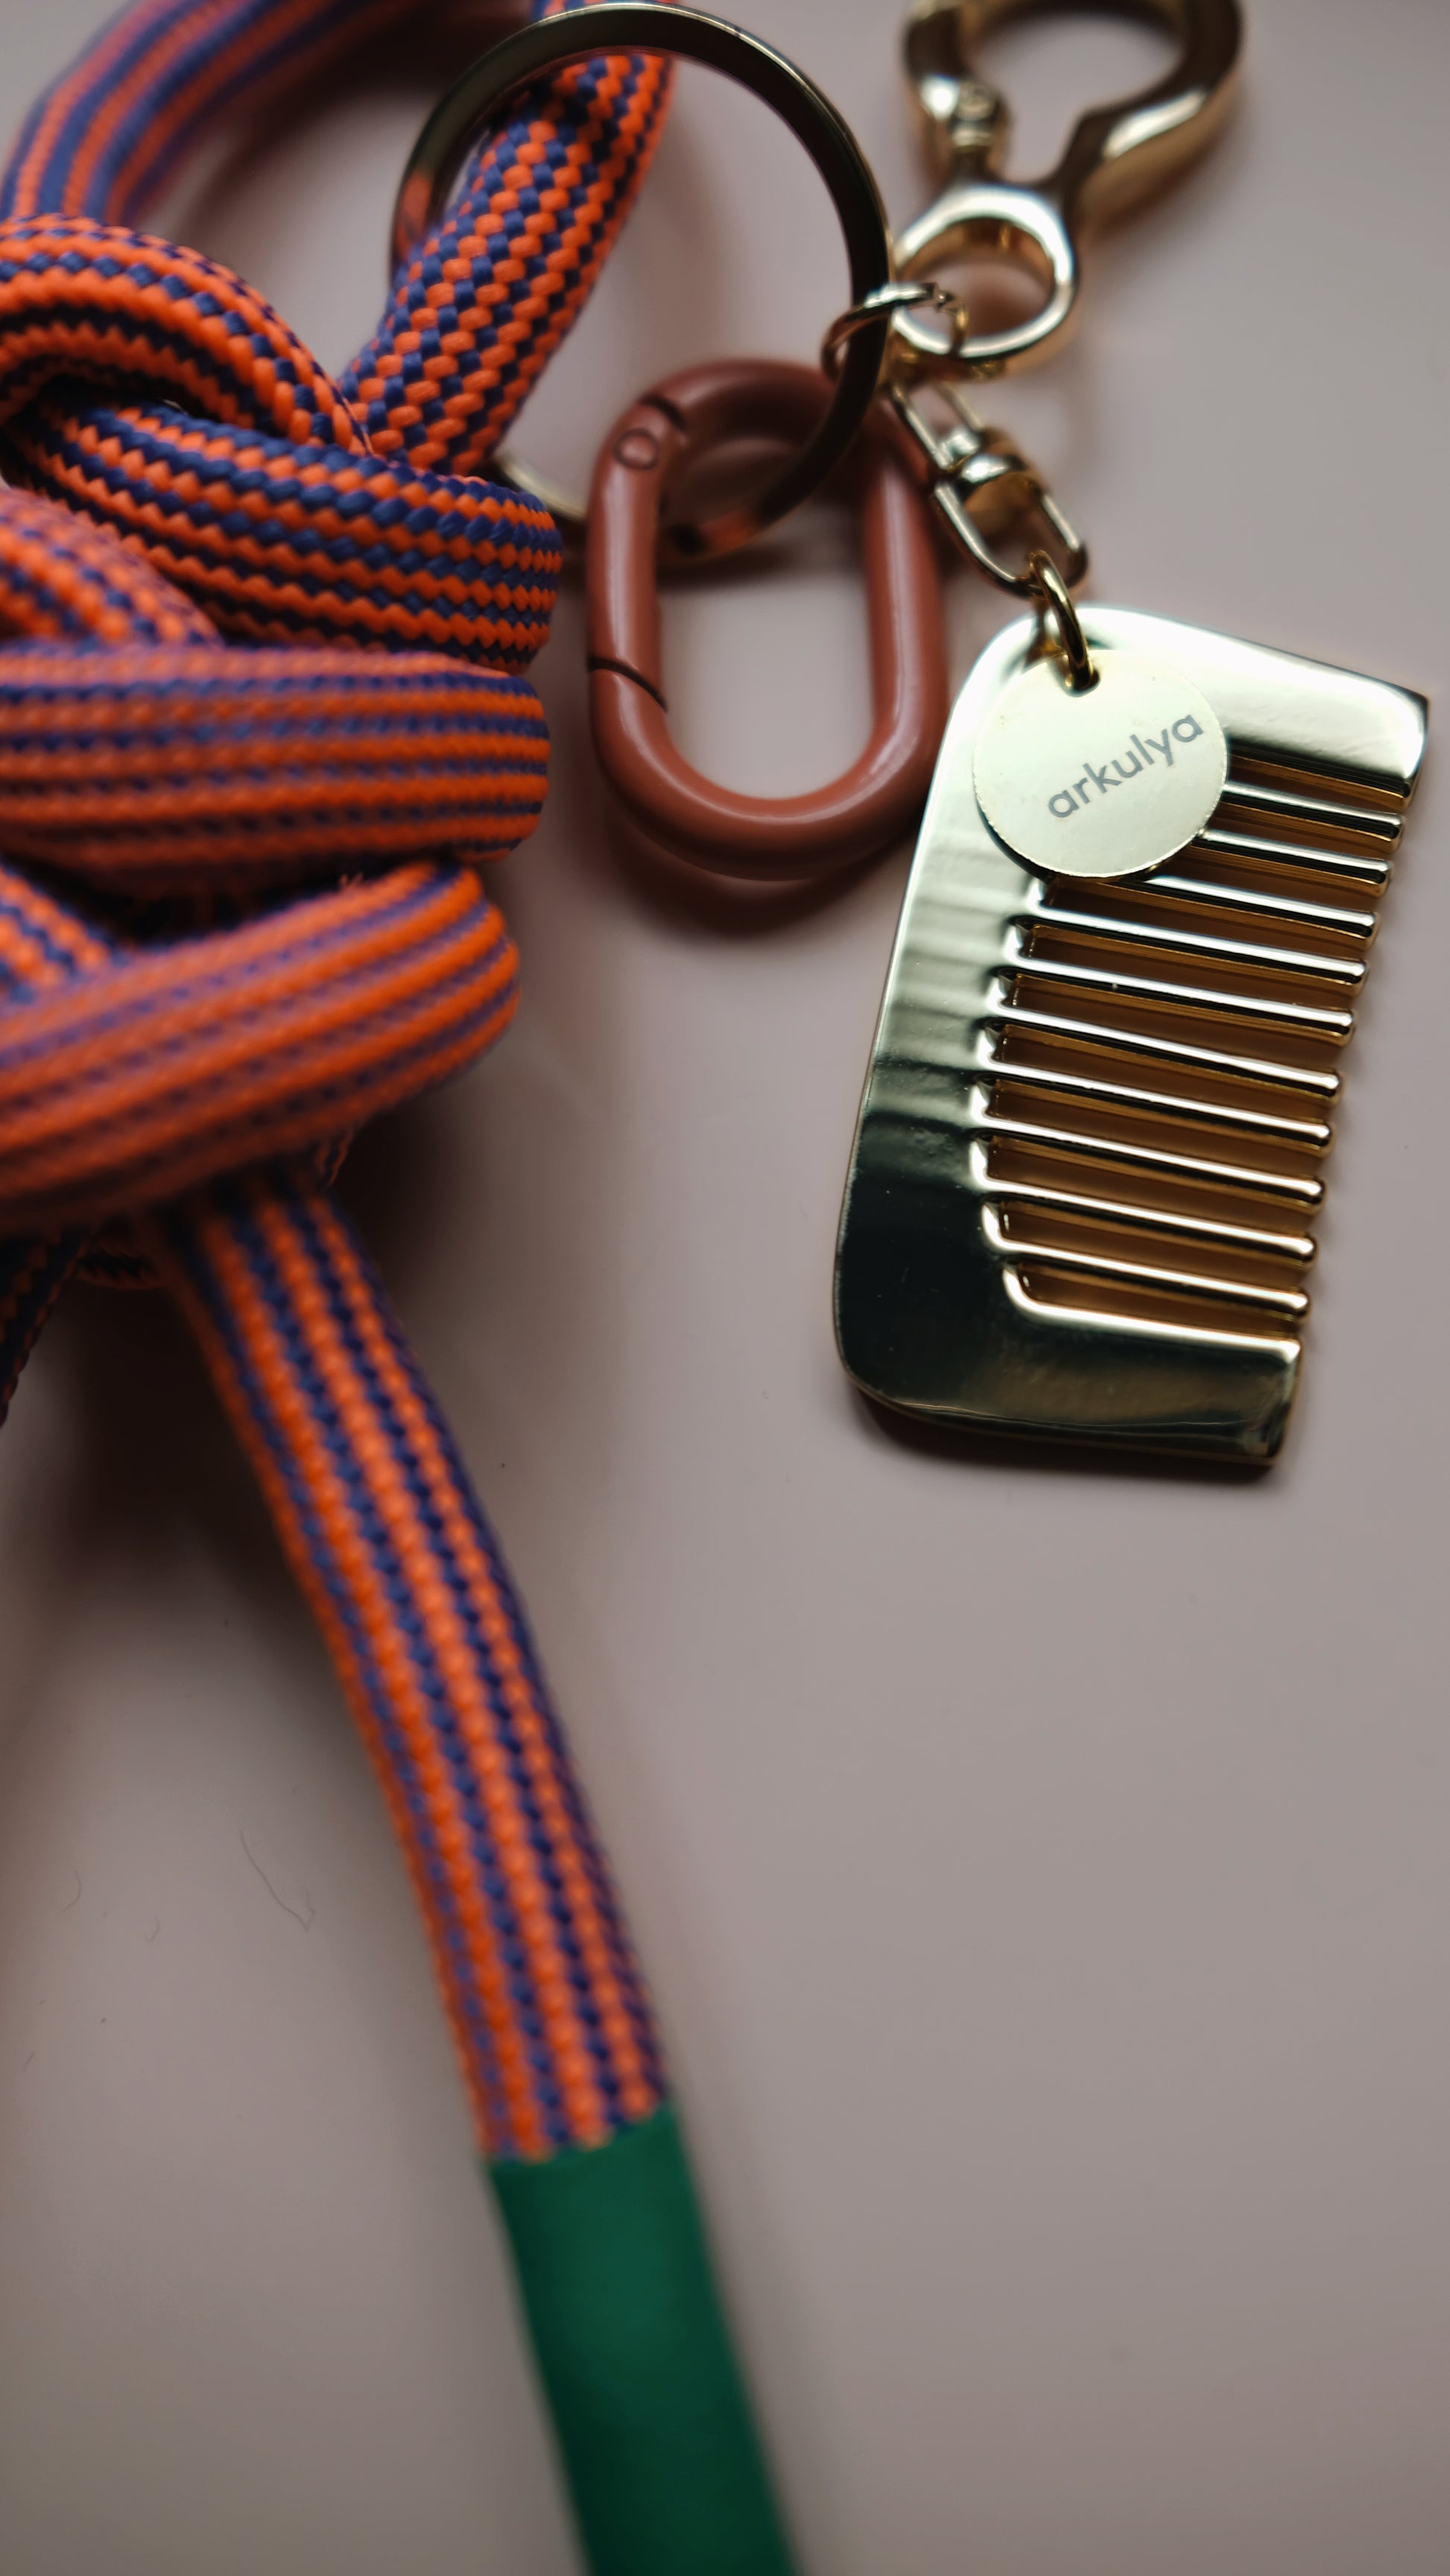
[(262, 709)]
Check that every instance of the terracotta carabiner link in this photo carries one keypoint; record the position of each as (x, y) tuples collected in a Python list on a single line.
[(679, 424)]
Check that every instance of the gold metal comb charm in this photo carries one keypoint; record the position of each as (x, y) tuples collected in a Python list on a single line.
[(1089, 1153)]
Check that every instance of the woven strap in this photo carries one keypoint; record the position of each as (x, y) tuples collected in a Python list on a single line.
[(262, 711)]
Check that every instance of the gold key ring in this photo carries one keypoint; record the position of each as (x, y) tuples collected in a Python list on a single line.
[(1114, 156), (657, 26)]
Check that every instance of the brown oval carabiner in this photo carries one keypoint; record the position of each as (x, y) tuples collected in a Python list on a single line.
[(675, 426)]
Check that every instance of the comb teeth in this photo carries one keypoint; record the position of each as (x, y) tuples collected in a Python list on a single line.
[(1090, 1152), (1128, 1171)]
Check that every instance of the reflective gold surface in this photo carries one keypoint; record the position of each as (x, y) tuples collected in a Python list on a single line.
[(983, 489), (1115, 156), (1089, 1151)]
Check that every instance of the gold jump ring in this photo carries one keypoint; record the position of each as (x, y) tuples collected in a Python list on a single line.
[(1056, 601)]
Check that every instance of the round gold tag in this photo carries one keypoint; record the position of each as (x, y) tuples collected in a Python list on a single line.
[(1102, 782)]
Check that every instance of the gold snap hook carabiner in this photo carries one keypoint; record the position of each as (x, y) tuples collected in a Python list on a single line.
[(1115, 155)]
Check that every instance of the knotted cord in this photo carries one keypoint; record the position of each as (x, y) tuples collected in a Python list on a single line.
[(266, 644)]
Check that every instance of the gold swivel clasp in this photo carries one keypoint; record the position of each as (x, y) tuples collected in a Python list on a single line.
[(983, 489)]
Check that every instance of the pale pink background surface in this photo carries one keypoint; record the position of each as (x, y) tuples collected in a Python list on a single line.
[(1044, 1872)]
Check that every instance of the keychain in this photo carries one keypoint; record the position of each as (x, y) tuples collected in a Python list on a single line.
[(1089, 1151)]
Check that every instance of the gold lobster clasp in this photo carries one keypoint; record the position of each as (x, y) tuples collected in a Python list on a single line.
[(1114, 155)]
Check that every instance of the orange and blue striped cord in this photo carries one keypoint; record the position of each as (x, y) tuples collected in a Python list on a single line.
[(263, 713)]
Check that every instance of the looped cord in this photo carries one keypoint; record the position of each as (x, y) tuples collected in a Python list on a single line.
[(262, 710), (267, 638)]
